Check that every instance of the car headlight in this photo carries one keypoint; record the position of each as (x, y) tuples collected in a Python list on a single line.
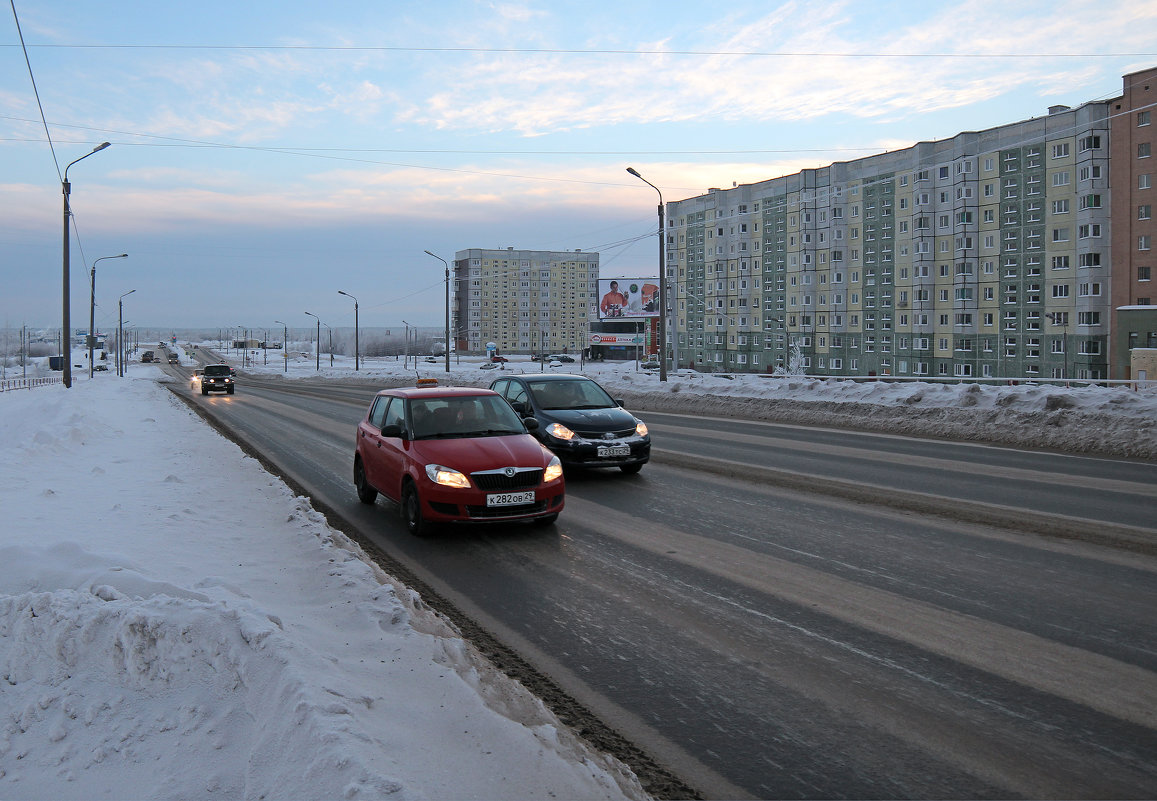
[(447, 476), (640, 428), (553, 470), (559, 431)]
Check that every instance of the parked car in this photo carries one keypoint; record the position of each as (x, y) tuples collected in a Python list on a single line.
[(561, 357), (213, 378), (578, 420), (650, 364), (454, 455), (497, 358)]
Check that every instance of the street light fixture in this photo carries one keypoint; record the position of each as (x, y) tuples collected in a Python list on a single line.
[(66, 324), (317, 350), (284, 344), (121, 333), (356, 350), (662, 282), (439, 258), (92, 308)]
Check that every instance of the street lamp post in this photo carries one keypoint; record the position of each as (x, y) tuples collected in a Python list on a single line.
[(356, 349), (317, 349), (121, 332), (92, 308), (662, 282), (439, 258), (330, 332), (66, 324), (284, 344)]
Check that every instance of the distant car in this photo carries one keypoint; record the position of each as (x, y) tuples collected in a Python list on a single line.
[(213, 378), (147, 356), (174, 358), (497, 358), (490, 366), (561, 357), (454, 455), (539, 357), (650, 364), (101, 368), (578, 420)]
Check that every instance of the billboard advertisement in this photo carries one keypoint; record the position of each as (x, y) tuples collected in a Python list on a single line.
[(628, 298)]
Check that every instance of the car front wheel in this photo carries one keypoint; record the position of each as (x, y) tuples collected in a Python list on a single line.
[(366, 493), (412, 512), (631, 469)]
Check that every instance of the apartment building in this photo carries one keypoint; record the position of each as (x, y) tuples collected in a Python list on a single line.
[(990, 254), (524, 301), (1133, 142)]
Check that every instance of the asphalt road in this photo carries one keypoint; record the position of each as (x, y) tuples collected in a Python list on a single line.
[(779, 612)]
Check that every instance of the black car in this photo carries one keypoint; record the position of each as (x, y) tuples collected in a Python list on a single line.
[(214, 378), (578, 420)]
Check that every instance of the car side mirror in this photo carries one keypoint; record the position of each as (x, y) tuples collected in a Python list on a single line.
[(392, 430), (518, 406), (620, 401), (530, 423)]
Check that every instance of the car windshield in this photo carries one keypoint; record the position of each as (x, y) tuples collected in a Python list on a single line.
[(466, 416), (217, 369), (579, 393)]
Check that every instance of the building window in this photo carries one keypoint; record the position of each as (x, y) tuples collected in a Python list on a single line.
[(1090, 143), (1143, 273), (1144, 150), (1144, 181), (1142, 118), (1144, 242), (1144, 212)]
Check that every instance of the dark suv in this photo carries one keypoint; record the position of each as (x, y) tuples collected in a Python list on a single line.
[(578, 420), (214, 378)]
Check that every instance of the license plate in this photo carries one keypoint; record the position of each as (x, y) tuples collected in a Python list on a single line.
[(509, 498), (614, 450)]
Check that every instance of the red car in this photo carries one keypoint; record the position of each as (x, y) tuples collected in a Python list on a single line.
[(455, 454)]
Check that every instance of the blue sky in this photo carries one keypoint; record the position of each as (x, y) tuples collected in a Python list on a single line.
[(267, 154)]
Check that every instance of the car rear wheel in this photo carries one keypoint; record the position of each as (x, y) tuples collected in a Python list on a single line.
[(366, 493), (631, 469), (412, 512)]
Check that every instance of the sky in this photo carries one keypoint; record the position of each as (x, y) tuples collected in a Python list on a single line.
[(143, 661), (314, 148)]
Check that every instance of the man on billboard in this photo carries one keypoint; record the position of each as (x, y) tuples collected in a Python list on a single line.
[(614, 302)]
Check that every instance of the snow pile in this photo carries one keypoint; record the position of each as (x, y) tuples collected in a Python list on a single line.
[(175, 623)]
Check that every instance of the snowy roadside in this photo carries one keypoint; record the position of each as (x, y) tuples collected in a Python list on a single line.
[(175, 623)]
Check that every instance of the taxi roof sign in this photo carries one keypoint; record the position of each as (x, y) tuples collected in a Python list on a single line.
[(427, 382)]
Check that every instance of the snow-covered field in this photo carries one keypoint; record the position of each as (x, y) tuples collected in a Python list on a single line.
[(149, 647)]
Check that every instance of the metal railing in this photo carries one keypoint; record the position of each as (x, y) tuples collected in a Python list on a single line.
[(9, 384)]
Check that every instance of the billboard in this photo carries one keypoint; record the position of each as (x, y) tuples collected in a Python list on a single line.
[(628, 298)]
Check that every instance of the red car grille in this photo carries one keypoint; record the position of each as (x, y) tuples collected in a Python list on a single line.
[(522, 479)]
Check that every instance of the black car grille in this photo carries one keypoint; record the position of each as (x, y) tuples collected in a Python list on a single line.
[(621, 434), (498, 480)]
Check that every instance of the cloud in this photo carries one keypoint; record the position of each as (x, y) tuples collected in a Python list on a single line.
[(537, 93)]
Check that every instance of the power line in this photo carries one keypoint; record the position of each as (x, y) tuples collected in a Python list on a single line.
[(583, 51)]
